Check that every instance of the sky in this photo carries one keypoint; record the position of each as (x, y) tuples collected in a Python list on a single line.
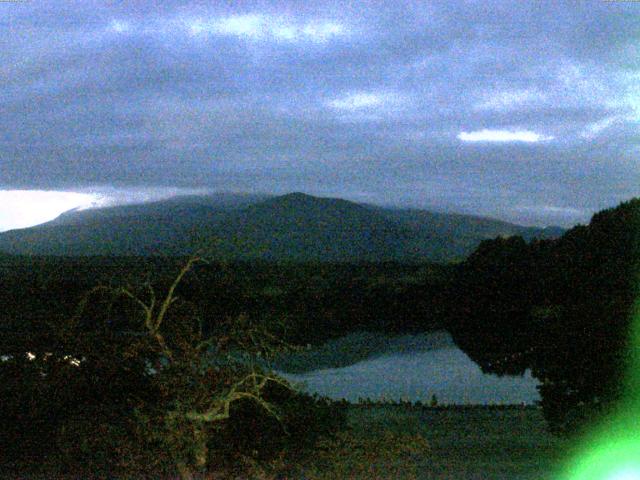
[(528, 111)]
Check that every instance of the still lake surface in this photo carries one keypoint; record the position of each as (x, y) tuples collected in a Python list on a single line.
[(406, 368)]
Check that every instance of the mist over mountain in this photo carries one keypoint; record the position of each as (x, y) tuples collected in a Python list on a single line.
[(292, 227)]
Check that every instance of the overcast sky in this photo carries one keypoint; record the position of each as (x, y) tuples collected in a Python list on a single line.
[(524, 110)]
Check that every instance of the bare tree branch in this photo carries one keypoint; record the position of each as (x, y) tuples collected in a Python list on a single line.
[(170, 298)]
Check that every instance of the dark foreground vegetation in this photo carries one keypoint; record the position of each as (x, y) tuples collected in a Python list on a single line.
[(153, 366), (159, 367), (136, 383)]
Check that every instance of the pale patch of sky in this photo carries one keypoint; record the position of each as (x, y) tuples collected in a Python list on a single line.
[(510, 99), (105, 196), (596, 128), (265, 27), (119, 26), (632, 96), (587, 85), (487, 135), (25, 208), (570, 211), (355, 101), (359, 101)]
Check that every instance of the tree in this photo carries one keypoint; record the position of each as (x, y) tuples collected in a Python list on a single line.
[(493, 292), (562, 308), (139, 382), (199, 379)]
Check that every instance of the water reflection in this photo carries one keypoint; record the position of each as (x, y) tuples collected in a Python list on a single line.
[(416, 375)]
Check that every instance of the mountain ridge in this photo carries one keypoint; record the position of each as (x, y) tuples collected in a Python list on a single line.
[(290, 227)]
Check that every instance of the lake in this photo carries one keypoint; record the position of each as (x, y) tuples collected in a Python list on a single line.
[(405, 368)]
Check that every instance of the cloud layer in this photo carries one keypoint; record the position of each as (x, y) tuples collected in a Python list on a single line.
[(528, 110)]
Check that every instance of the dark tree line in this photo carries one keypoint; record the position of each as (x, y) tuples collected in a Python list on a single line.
[(562, 308), (318, 301)]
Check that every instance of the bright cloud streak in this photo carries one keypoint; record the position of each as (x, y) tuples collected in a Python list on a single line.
[(119, 26), (25, 208), (486, 135), (555, 214), (358, 101), (323, 31), (263, 27), (241, 26), (110, 196)]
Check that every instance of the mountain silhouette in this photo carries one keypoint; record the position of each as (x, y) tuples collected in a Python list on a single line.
[(293, 227)]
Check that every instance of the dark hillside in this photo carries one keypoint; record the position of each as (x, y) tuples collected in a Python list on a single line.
[(294, 227)]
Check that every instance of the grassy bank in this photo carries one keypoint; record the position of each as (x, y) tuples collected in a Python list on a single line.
[(453, 443), (409, 443)]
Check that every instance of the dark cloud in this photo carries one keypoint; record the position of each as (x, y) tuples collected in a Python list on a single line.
[(360, 100)]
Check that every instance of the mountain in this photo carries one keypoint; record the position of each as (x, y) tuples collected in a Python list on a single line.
[(443, 236), (292, 227), (179, 204)]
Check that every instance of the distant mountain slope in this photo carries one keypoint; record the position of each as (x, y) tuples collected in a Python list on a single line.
[(442, 236), (293, 227), (176, 205)]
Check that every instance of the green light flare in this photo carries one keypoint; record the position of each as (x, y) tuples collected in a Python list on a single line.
[(611, 450), (626, 474)]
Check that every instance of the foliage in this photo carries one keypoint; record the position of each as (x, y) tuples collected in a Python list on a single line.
[(559, 307), (133, 385), (494, 295)]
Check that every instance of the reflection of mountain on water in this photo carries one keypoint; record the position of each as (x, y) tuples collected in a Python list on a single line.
[(356, 347), (413, 368)]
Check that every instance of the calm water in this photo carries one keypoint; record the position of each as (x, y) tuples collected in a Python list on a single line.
[(414, 369)]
